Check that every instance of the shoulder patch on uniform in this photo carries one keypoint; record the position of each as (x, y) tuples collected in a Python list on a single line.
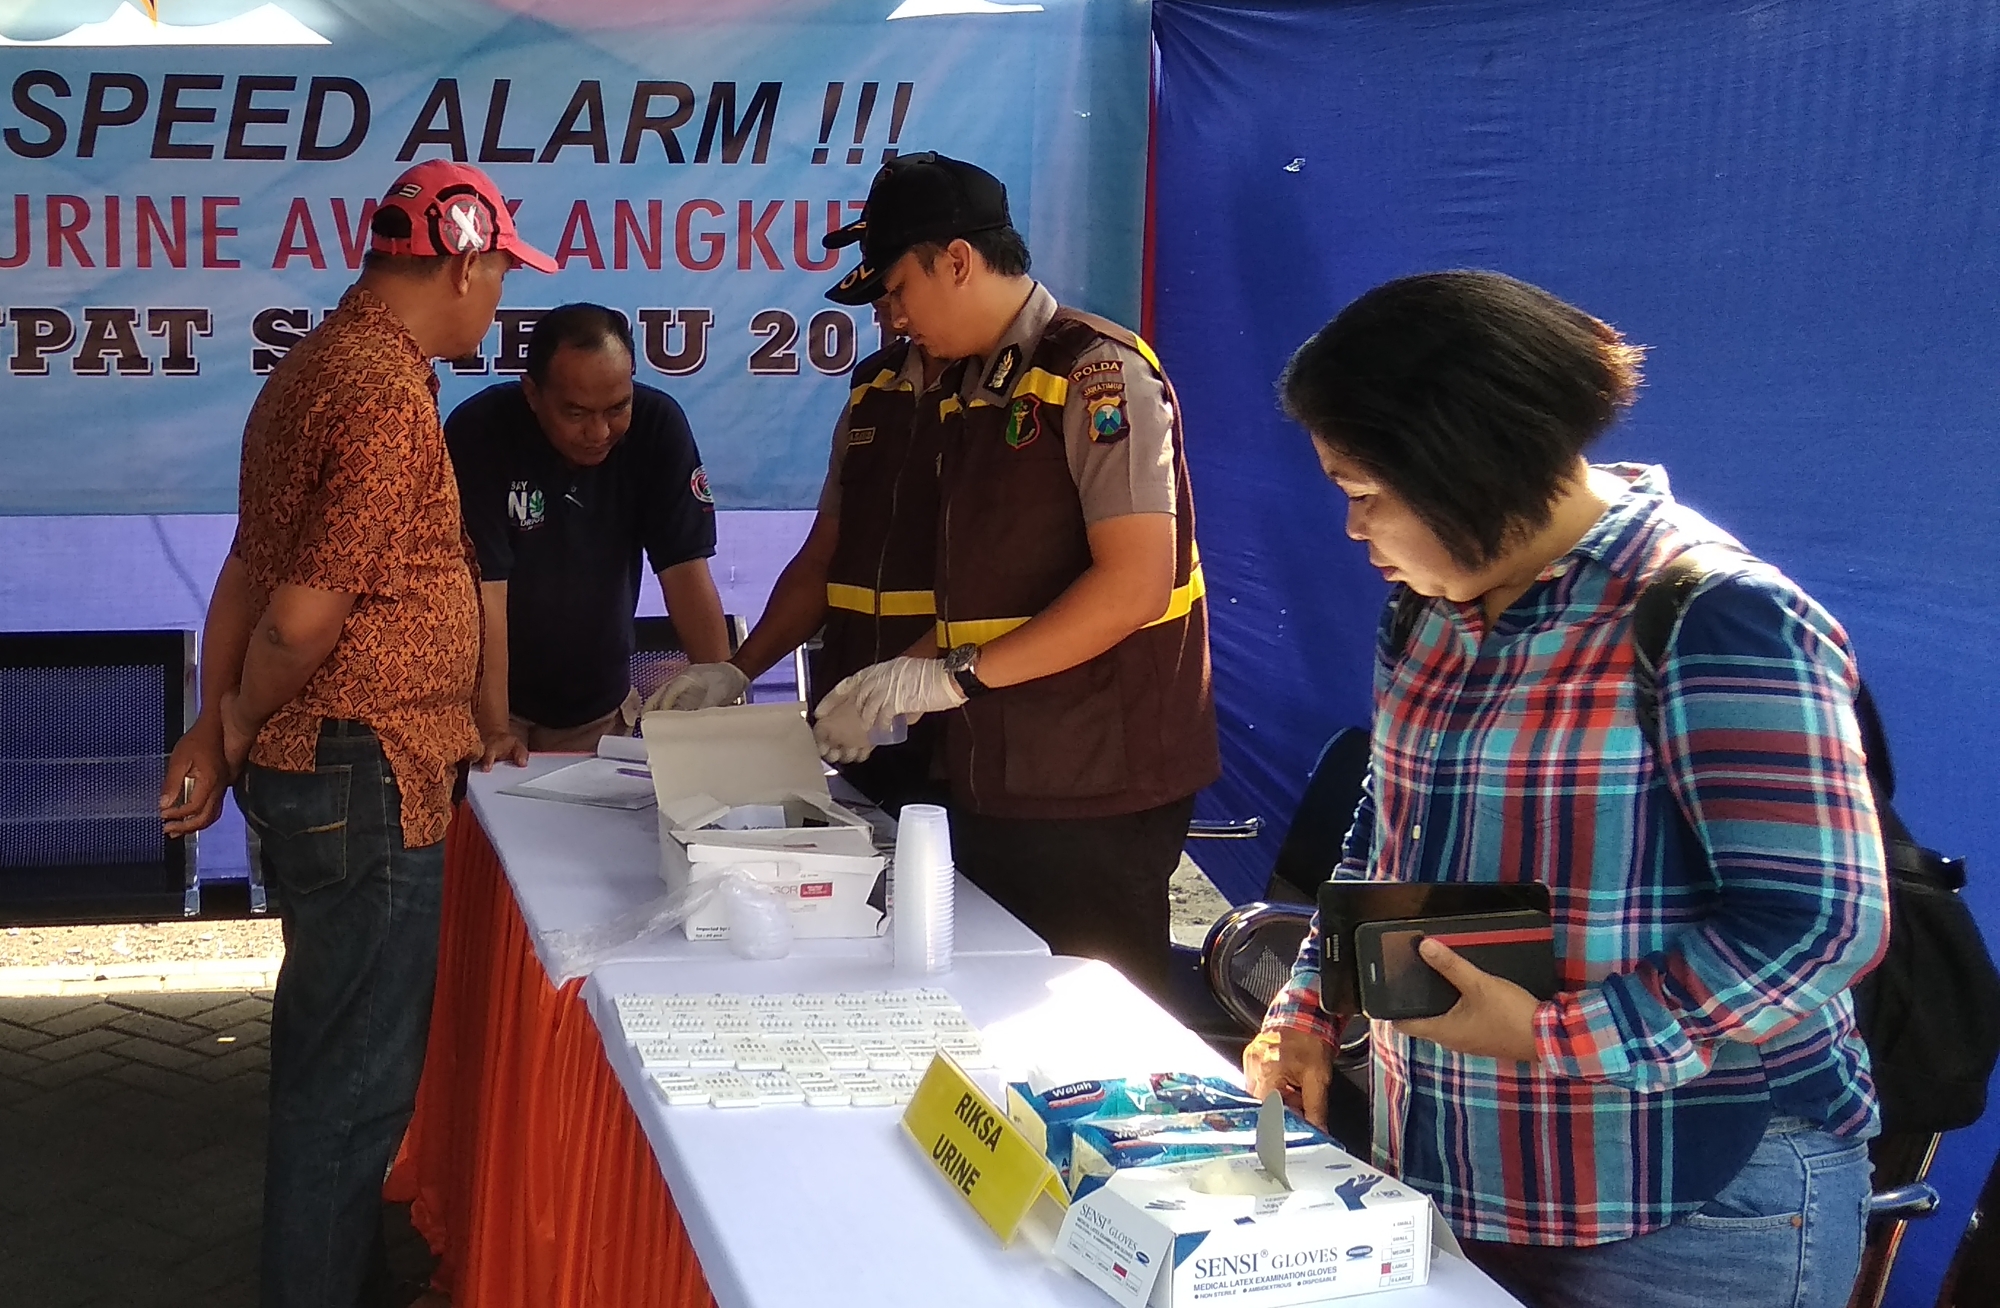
[(698, 483), (860, 436), (1110, 369), (1002, 371), (1104, 401)]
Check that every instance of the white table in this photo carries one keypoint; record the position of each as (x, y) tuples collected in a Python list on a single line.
[(790, 1206), (574, 866)]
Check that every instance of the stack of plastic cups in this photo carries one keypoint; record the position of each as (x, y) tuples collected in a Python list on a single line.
[(921, 890)]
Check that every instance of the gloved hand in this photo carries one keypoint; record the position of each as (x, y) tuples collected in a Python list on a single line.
[(705, 685), (838, 729), (869, 702)]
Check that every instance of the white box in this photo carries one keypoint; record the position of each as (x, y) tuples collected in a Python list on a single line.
[(830, 895), (1148, 1235), (823, 861), (707, 762)]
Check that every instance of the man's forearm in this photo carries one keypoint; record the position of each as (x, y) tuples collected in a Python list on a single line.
[(688, 590), (225, 633), (493, 708), (796, 609), (1084, 621), (296, 633), (274, 672)]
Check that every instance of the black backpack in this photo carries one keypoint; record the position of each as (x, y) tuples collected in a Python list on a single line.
[(1930, 1011)]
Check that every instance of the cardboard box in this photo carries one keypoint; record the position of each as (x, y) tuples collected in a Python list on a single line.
[(711, 766), (1225, 1231), (830, 895)]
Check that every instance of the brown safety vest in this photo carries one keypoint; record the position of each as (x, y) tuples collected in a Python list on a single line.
[(878, 586), (1133, 728)]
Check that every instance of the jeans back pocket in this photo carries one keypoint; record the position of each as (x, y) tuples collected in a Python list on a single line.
[(301, 820)]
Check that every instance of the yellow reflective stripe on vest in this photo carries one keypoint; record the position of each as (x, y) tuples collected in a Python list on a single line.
[(885, 604), (981, 630), (1181, 602), (884, 380), (1043, 385)]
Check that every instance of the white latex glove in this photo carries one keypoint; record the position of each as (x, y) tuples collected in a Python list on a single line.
[(705, 685), (903, 688), (869, 702), (838, 729)]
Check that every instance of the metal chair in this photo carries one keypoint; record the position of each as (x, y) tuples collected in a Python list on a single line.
[(1901, 1161), (87, 719), (658, 655), (1973, 1278)]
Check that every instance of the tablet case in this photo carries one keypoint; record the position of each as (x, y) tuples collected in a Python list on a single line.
[(1396, 983), (1344, 905)]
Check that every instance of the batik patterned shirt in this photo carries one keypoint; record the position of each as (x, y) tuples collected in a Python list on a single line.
[(1714, 892), (346, 486)]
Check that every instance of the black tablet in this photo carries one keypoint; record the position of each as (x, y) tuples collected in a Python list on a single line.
[(1344, 905)]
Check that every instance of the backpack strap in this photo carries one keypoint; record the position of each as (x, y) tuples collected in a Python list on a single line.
[(1658, 611), (1654, 616)]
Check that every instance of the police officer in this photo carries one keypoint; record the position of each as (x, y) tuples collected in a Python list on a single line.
[(1070, 652), (862, 577), (565, 478)]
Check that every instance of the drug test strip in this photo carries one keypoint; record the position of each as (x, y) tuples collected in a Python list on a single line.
[(842, 1055), (729, 1089), (711, 1054), (655, 1052), (681, 1089), (821, 1090)]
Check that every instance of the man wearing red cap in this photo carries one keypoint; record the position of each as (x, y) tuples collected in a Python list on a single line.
[(338, 667)]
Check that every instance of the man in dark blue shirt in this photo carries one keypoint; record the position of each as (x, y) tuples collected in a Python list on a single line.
[(565, 477)]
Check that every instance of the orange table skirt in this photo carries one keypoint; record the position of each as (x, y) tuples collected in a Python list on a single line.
[(524, 1166)]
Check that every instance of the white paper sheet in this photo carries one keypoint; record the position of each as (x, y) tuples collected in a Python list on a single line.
[(605, 782)]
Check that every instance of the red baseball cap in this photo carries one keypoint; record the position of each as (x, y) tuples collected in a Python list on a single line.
[(441, 207)]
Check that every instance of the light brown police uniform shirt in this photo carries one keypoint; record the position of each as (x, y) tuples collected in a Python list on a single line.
[(1134, 474), (1115, 475)]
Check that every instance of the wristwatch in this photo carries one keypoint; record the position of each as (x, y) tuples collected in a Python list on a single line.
[(959, 661)]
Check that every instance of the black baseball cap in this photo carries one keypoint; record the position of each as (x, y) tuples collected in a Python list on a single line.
[(915, 198)]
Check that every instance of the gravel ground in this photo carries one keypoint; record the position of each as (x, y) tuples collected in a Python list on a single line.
[(160, 942), (1194, 902)]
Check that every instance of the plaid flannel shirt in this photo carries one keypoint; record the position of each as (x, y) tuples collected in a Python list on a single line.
[(1713, 896)]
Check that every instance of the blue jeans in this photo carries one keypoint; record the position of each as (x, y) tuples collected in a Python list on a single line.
[(352, 1011), (1786, 1233)]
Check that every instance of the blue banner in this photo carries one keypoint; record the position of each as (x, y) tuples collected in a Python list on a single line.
[(188, 192)]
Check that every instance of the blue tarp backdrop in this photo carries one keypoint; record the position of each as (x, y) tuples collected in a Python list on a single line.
[(1795, 205), (175, 210)]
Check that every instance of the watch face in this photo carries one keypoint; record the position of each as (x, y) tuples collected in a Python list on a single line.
[(960, 658)]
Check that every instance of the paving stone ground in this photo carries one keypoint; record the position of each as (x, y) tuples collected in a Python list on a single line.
[(132, 1151)]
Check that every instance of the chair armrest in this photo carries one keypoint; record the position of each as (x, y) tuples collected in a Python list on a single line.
[(1903, 1203), (1211, 829)]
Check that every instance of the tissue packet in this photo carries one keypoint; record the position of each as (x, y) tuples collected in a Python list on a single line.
[(1101, 1148), (1048, 1118)]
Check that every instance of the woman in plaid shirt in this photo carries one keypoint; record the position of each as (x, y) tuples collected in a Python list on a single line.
[(1685, 1122)]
